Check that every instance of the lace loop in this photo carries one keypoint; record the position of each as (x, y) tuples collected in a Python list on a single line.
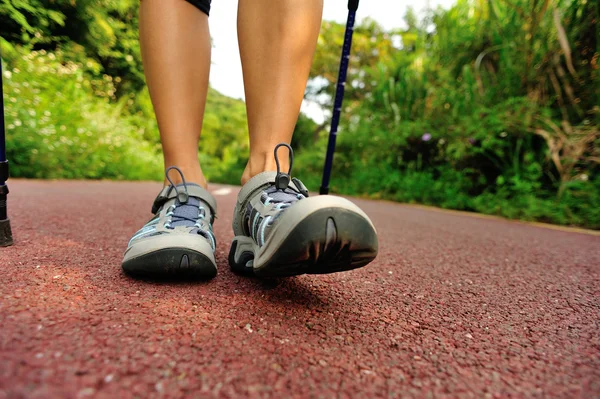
[(282, 180), (183, 197)]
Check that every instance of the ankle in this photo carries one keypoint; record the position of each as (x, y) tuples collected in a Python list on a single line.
[(264, 162), (192, 174)]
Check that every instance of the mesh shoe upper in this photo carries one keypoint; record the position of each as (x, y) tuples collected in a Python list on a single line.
[(261, 204), (183, 209)]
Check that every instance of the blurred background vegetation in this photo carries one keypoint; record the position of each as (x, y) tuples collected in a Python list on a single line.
[(490, 106)]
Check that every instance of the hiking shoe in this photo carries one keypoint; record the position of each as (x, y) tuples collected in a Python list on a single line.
[(178, 241), (281, 231)]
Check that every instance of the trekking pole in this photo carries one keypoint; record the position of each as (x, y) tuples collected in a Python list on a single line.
[(5, 231), (339, 95)]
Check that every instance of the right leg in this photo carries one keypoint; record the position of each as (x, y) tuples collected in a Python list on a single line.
[(175, 43), (178, 240), (278, 230)]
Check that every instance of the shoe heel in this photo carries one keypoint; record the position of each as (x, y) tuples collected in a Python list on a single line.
[(241, 255)]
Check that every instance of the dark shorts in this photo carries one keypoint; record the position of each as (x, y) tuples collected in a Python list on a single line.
[(203, 5)]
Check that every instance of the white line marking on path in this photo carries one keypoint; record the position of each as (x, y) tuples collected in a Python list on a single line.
[(222, 191)]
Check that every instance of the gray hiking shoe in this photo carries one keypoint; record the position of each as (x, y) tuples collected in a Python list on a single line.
[(280, 231), (178, 241)]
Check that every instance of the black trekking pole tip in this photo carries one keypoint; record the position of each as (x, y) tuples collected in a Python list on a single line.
[(6, 238)]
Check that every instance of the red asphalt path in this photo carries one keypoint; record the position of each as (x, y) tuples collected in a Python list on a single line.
[(454, 306)]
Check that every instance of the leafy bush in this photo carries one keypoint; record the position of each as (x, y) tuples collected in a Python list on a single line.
[(62, 124)]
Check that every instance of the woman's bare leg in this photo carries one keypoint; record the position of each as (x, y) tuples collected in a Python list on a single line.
[(175, 43), (277, 40)]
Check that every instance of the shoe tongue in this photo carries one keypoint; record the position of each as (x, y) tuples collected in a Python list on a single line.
[(281, 195), (189, 210)]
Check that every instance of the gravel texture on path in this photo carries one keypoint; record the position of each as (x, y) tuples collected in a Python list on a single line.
[(454, 306)]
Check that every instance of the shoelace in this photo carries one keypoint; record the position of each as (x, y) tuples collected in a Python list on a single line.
[(282, 198), (178, 215)]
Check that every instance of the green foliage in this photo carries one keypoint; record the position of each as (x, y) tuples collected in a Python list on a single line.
[(100, 31), (490, 106), (61, 124), (370, 43), (496, 111), (224, 144), (64, 123), (27, 20)]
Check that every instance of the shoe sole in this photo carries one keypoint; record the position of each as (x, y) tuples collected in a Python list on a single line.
[(325, 241), (170, 257), (171, 263)]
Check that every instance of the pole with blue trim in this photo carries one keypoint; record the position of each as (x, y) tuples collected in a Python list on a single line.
[(339, 95)]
